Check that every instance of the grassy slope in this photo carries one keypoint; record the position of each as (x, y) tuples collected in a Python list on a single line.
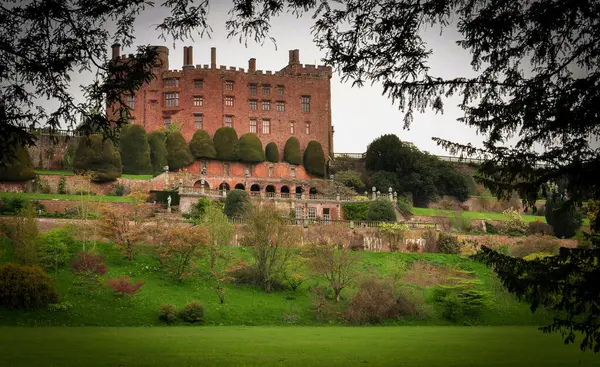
[(246, 305), (39, 196), (70, 173), (472, 215), (288, 346)]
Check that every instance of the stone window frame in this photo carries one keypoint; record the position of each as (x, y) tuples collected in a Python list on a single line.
[(198, 101), (198, 121)]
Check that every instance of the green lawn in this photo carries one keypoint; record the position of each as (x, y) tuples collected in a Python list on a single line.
[(288, 346), (472, 215), (39, 196), (70, 173)]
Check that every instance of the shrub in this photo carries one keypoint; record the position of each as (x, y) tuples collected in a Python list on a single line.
[(373, 303), (291, 151), (272, 152), (448, 244), (135, 151), (565, 220), (459, 303), (540, 228), (535, 244), (515, 223), (40, 185), (236, 203), (468, 247), (384, 153), (158, 151), (490, 228), (25, 287), (25, 234), (19, 168), (12, 205), (381, 210), (123, 286), (356, 211), (69, 156), (53, 249), (226, 142), (179, 247), (541, 211), (167, 314), (199, 209), (383, 180), (202, 146), (98, 156), (88, 268), (350, 179), (62, 185), (431, 242), (404, 207), (249, 149), (314, 158), (193, 312), (460, 223), (537, 256), (178, 152)]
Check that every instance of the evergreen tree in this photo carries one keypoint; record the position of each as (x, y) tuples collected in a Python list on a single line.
[(19, 167), (178, 152), (250, 149), (226, 141), (272, 152), (98, 156), (201, 145), (158, 151), (314, 159), (292, 152), (135, 151)]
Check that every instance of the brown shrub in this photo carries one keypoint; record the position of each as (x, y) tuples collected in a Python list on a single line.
[(427, 275), (540, 228), (536, 244), (430, 238)]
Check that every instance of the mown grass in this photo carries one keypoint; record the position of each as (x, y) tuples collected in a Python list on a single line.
[(70, 173), (40, 196), (288, 346), (473, 215), (247, 305)]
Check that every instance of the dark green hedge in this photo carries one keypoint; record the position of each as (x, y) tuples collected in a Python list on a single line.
[(291, 151), (201, 145), (135, 151), (178, 152), (98, 156), (158, 151), (272, 152), (236, 203), (356, 211), (20, 168), (381, 210), (314, 159), (250, 149), (226, 141)]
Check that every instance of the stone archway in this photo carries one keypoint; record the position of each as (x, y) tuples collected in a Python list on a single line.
[(240, 186), (270, 190), (285, 191), (224, 186), (299, 191), (255, 190), (312, 193)]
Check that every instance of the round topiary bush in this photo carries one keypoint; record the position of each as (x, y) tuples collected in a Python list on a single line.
[(158, 151), (565, 220), (226, 141), (291, 151), (193, 312), (135, 151), (272, 152), (250, 149), (314, 159), (236, 203), (98, 156), (178, 152), (201, 145), (381, 210), (25, 287), (19, 168)]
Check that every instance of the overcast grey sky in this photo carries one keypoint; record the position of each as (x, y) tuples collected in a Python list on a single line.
[(359, 114)]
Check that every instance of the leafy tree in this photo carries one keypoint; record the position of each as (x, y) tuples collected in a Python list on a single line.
[(381, 210), (383, 180), (384, 153), (292, 152), (88, 268), (158, 151), (99, 157), (135, 151), (336, 266), (249, 149), (272, 152), (565, 218), (53, 250), (123, 286), (25, 236), (236, 203), (119, 227), (350, 178), (226, 143), (201, 145), (19, 168), (178, 152), (314, 158), (199, 209), (178, 247)]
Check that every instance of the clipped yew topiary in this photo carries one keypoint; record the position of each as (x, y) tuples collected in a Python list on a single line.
[(272, 152), (226, 142), (135, 151), (291, 151), (19, 168), (178, 152), (99, 157), (314, 159), (250, 149), (158, 151), (201, 145)]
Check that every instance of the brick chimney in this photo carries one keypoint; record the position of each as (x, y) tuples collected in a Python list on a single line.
[(213, 58), (116, 51), (252, 64), (185, 56), (190, 56), (294, 57)]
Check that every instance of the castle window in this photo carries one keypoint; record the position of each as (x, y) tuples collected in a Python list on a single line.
[(266, 127), (280, 106), (253, 105), (172, 99), (153, 104), (312, 213), (167, 122), (308, 128), (156, 70), (198, 83), (252, 88), (292, 128), (229, 101), (305, 104), (198, 121), (266, 106), (266, 89), (228, 85), (198, 101), (228, 120), (131, 101), (172, 83), (280, 90), (253, 126), (293, 172)]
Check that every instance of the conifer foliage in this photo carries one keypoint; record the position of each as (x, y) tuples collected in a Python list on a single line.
[(201, 145), (98, 156), (178, 152), (135, 151)]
